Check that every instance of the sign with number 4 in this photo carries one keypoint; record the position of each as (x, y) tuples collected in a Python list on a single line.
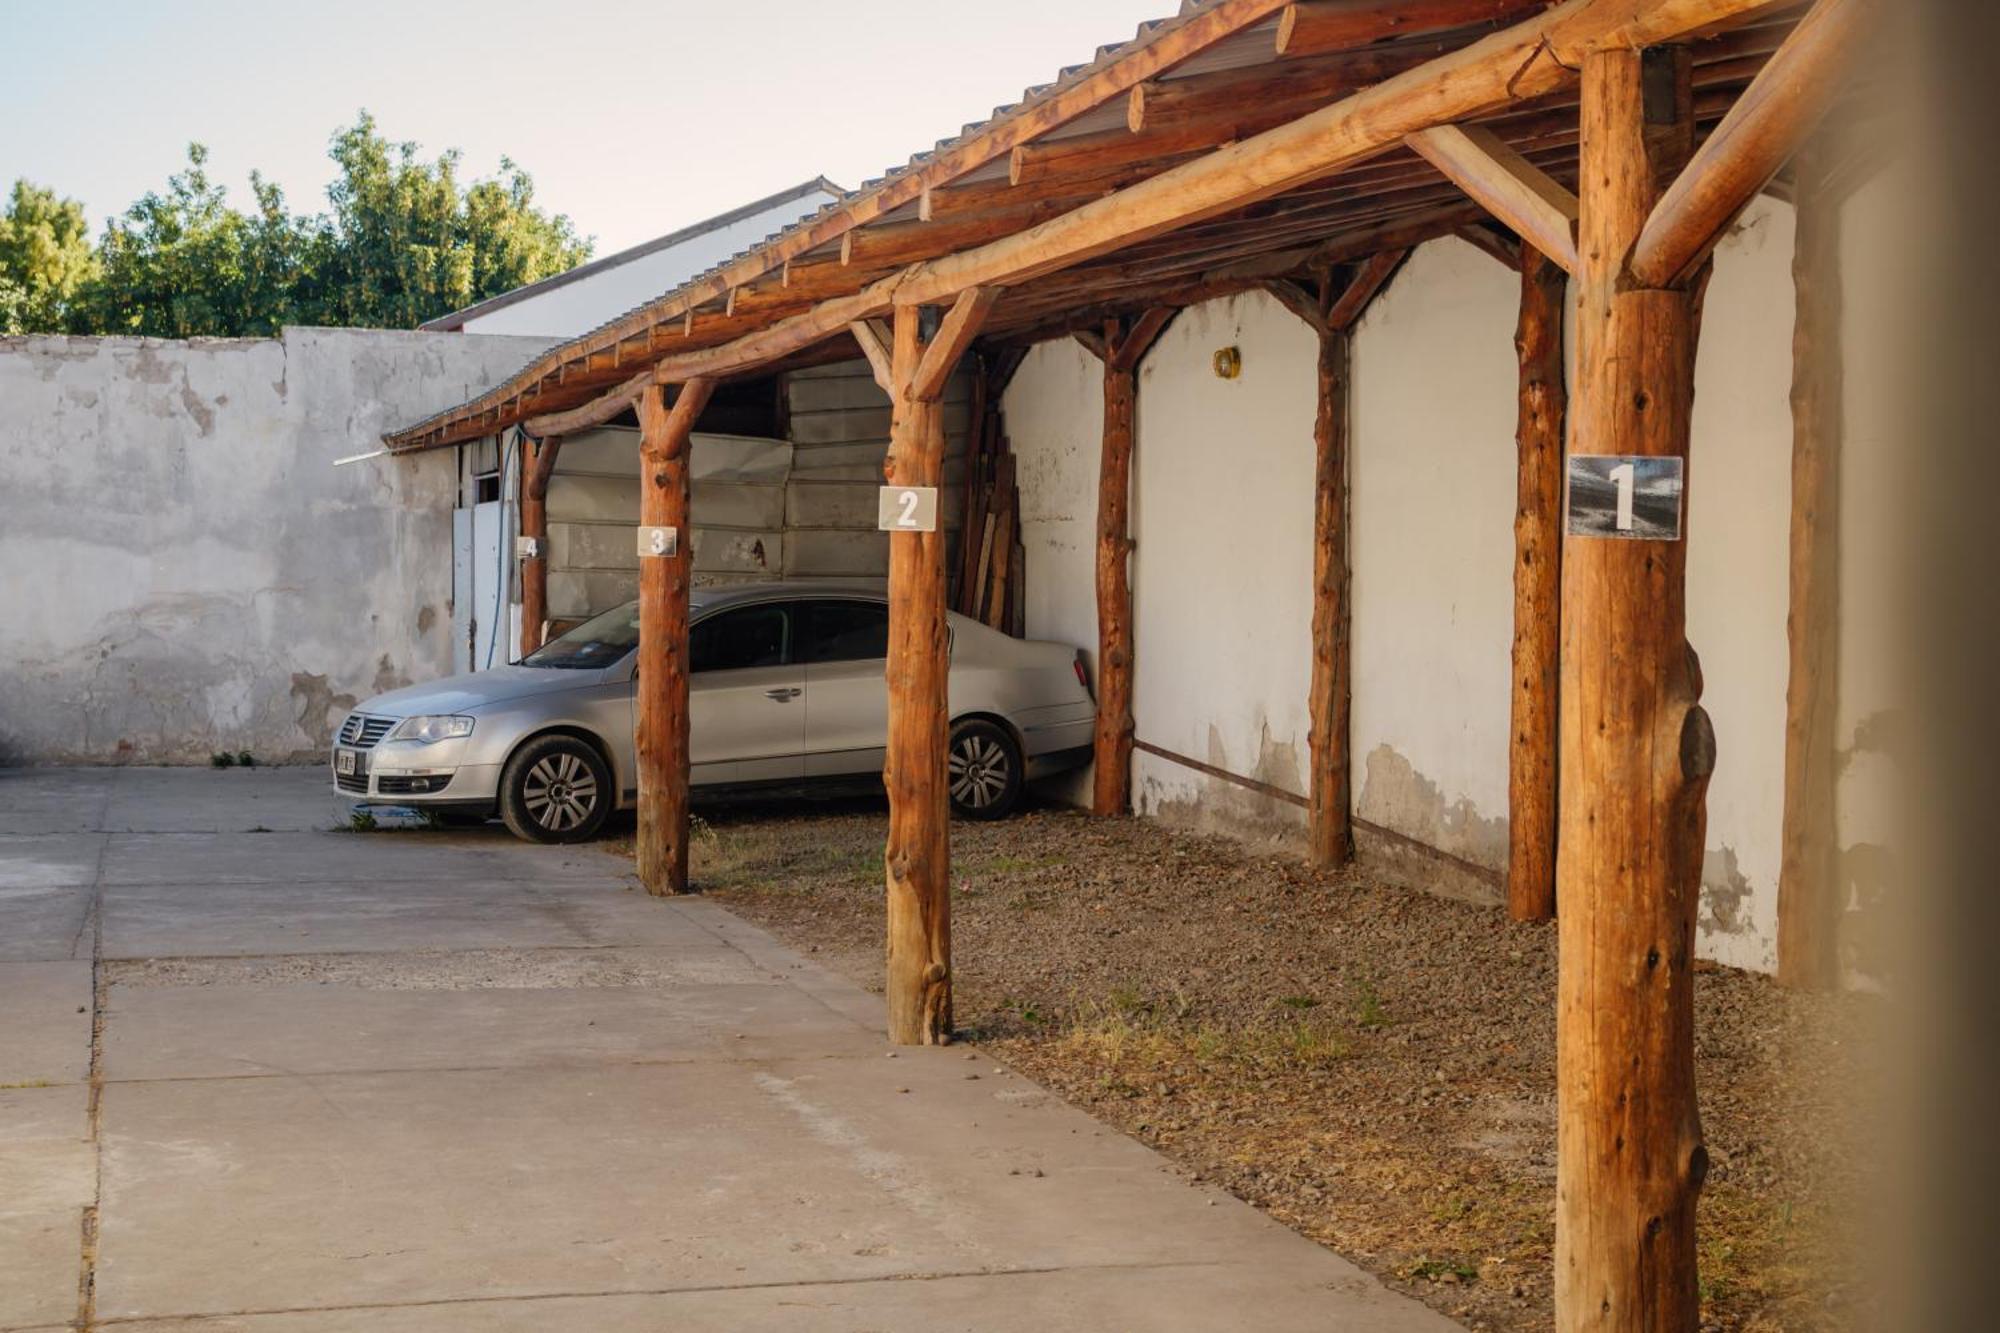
[(908, 509), (660, 542), (1634, 497)]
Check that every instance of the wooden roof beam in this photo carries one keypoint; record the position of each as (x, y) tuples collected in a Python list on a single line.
[(1318, 26), (1765, 126), (1162, 104), (1528, 60), (1513, 189)]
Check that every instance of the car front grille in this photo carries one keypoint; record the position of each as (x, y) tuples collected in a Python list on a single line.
[(354, 782), (362, 732), (387, 786)]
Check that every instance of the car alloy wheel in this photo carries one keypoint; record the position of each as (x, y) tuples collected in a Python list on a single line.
[(984, 770), (556, 789), (560, 793)]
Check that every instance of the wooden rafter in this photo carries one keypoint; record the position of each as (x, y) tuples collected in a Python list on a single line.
[(1780, 108), (1316, 26), (1541, 211), (1180, 220)]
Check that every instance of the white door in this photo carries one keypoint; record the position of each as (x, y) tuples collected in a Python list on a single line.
[(489, 587), (461, 590)]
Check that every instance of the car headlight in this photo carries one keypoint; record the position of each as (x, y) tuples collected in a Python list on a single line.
[(425, 730)]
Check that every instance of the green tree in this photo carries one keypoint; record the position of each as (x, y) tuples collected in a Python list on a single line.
[(45, 260), (404, 242), (174, 266), (408, 243)]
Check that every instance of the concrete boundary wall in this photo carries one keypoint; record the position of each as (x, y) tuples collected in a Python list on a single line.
[(182, 568)]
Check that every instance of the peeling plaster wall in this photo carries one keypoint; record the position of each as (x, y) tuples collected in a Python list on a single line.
[(185, 570), (1222, 511), (1738, 529), (1431, 475)]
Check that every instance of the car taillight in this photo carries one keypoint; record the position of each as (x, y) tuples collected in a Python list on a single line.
[(1083, 675)]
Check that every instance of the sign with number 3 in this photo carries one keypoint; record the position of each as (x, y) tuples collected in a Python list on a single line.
[(663, 543)]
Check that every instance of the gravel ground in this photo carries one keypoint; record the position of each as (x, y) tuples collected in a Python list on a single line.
[(1371, 1065)]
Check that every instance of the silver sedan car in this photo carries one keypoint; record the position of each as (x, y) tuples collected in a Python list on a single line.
[(785, 688)]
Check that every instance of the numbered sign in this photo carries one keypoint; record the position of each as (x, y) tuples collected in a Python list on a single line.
[(528, 548), (659, 542), (1636, 498), (908, 509)]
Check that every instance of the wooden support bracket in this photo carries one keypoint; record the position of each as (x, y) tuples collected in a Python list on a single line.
[(1506, 184)]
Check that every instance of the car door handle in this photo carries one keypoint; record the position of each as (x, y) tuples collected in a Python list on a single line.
[(784, 695)]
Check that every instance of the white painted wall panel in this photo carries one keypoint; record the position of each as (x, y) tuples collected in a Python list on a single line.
[(1222, 513), (1738, 525), (1432, 476)]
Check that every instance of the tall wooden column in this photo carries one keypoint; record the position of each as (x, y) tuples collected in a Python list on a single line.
[(662, 702), (1121, 348), (1331, 309), (916, 861), (1531, 766), (535, 524), (1807, 881), (1637, 751)]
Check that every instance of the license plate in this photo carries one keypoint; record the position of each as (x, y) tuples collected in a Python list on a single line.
[(344, 762)]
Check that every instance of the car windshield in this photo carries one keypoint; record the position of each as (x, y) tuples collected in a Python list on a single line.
[(597, 642)]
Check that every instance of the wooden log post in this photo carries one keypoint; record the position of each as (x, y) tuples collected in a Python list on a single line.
[(916, 860), (1806, 876), (535, 526), (1531, 766), (1330, 811), (1637, 751), (1331, 311), (662, 686), (1121, 348)]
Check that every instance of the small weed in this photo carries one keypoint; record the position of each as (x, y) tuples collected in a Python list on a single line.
[(26, 1083), (222, 759), (244, 759), (259, 828), (1456, 1208), (1299, 1002), (1368, 1010), (361, 821), (1426, 1269)]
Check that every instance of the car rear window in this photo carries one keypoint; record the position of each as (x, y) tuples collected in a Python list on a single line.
[(750, 636), (843, 631)]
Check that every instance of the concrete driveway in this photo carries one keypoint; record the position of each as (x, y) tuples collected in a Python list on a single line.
[(258, 1074)]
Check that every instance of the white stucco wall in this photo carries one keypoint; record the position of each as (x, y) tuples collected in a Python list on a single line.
[(1431, 476), (1222, 512), (1055, 409), (1223, 518), (1738, 525), (575, 307), (186, 570)]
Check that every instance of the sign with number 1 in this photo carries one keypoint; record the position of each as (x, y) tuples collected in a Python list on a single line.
[(1634, 497)]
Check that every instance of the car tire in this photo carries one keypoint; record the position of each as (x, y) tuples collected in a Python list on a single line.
[(984, 770), (556, 789)]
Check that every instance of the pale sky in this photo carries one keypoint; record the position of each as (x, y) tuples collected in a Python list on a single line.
[(634, 116)]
